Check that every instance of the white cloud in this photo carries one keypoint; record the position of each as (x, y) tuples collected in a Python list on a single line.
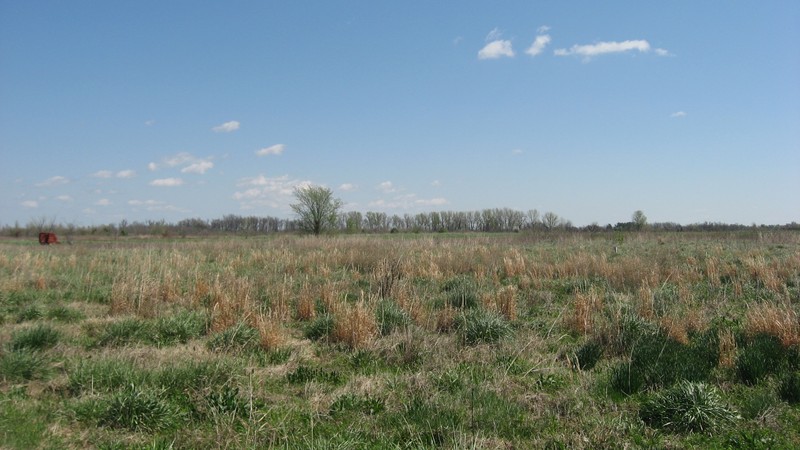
[(64, 198), (261, 191), (180, 158), (150, 122), (226, 127), (538, 45), (543, 29), (103, 174), (406, 201), (387, 187), (167, 182), (103, 202), (347, 187), (128, 173), (155, 205), (662, 52), (152, 166), (276, 149), (496, 49), (602, 48), (678, 114), (517, 151), (57, 180), (199, 167), (436, 183), (30, 204)]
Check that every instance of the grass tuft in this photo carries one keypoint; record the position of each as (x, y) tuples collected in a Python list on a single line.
[(687, 407)]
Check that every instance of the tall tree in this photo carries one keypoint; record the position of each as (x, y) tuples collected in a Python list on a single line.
[(316, 208), (639, 219)]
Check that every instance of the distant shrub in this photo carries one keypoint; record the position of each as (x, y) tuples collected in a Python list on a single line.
[(38, 337), (687, 407), (461, 292), (478, 326)]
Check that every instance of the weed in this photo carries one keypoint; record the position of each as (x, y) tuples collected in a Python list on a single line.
[(687, 407), (304, 374), (180, 327), (763, 355), (587, 355), (120, 332), (360, 404), (321, 327), (31, 312), (64, 314)]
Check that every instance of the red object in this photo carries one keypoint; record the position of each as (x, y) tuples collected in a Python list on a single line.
[(48, 238)]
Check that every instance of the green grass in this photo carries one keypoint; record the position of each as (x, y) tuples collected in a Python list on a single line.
[(666, 359)]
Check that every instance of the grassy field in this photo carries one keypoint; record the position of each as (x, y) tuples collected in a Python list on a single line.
[(665, 340)]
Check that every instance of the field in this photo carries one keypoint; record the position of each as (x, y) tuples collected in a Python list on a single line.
[(520, 340)]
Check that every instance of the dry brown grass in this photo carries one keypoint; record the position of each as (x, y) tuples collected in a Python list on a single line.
[(584, 307), (779, 320), (355, 324)]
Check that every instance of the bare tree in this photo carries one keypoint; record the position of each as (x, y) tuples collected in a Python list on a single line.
[(550, 220), (316, 208)]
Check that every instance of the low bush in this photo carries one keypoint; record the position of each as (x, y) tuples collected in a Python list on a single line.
[(687, 407)]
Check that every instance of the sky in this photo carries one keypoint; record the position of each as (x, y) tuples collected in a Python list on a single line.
[(151, 110)]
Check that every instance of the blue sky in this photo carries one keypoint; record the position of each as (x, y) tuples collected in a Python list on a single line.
[(689, 111)]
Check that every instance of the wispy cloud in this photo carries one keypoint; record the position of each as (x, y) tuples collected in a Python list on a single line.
[(517, 151), (57, 180), (276, 149), (538, 45), (103, 202), (678, 114), (227, 127), (155, 205), (199, 167), (439, 201), (128, 173), (494, 35), (30, 204), (348, 187), (103, 174), (604, 48), (496, 49), (543, 29), (406, 201), (64, 198), (150, 122), (152, 166), (166, 182)]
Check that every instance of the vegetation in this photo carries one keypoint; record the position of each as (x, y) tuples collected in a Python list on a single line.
[(316, 208), (533, 339)]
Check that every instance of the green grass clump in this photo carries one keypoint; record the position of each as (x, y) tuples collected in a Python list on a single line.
[(38, 337), (321, 327), (305, 374), (241, 337), (461, 292), (687, 407), (587, 355), (180, 328), (389, 317), (789, 387), (762, 356), (31, 312), (136, 409), (64, 314), (359, 404), (478, 326), (121, 332), (22, 365)]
